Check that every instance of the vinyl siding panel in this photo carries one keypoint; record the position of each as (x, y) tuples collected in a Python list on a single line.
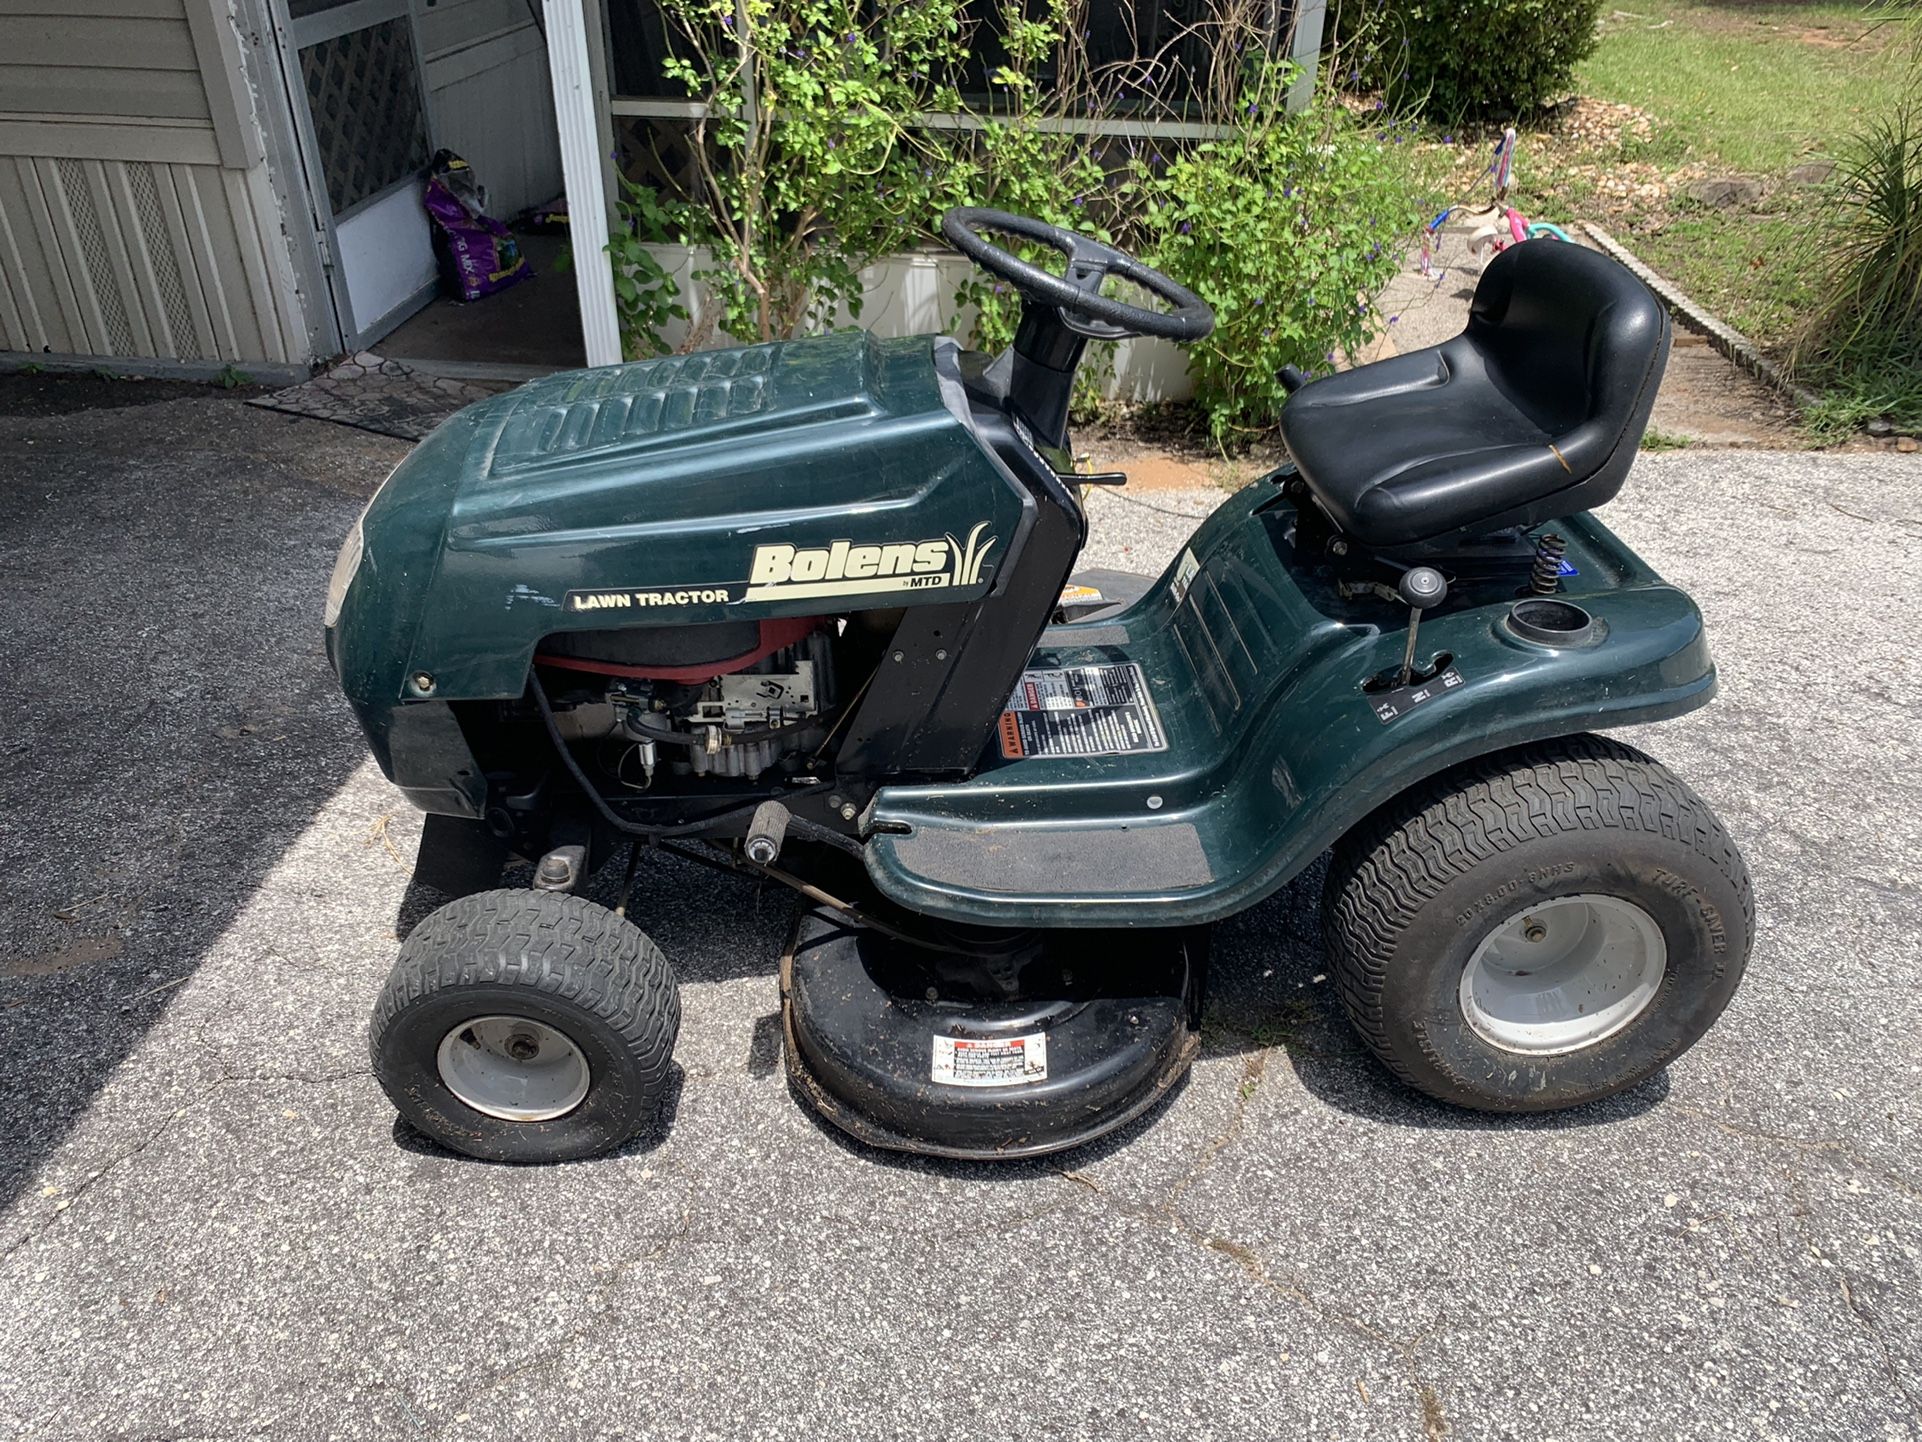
[(126, 258), (103, 90), (177, 142), (136, 216), (110, 9), (104, 43)]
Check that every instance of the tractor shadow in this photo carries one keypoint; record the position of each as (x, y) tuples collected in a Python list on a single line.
[(1268, 992), (173, 728)]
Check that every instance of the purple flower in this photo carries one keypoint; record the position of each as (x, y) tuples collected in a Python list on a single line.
[(1393, 318), (1186, 226)]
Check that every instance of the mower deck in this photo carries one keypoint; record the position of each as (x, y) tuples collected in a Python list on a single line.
[(883, 1042)]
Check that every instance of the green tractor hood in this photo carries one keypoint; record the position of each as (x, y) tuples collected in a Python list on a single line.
[(796, 478)]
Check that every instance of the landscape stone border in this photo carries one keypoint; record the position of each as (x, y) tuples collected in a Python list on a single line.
[(1724, 337)]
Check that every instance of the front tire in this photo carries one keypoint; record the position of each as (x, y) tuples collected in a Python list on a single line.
[(526, 1026), (1539, 928)]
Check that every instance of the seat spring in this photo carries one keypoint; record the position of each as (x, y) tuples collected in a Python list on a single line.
[(1545, 578)]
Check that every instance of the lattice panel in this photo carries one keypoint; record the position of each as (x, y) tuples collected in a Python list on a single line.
[(94, 255), (364, 97), (658, 152), (176, 305)]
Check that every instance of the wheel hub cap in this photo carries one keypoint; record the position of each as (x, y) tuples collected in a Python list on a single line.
[(1564, 974), (513, 1067)]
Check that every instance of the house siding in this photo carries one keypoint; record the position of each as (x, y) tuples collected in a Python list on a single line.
[(136, 216)]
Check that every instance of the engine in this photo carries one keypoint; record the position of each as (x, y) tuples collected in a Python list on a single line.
[(732, 700)]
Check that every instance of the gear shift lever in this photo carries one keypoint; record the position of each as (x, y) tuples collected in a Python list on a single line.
[(1421, 587)]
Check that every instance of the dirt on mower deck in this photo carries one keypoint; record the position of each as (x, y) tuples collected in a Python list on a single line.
[(211, 1225)]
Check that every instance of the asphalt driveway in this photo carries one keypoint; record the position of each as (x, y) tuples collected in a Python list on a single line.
[(212, 1227)]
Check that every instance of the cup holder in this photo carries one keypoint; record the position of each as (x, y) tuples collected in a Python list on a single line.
[(1545, 621)]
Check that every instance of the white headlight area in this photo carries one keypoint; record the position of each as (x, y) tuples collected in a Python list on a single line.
[(345, 565)]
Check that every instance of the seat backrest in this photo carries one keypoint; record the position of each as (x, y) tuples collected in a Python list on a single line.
[(1579, 344)]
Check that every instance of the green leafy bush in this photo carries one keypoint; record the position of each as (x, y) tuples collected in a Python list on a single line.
[(1493, 58), (646, 297), (1289, 230), (810, 159), (815, 159), (1863, 346)]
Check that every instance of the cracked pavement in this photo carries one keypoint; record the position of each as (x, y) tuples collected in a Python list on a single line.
[(212, 1227)]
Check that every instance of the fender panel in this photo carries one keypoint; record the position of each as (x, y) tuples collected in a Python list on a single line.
[(1274, 751)]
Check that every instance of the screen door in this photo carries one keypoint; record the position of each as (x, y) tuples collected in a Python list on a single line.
[(353, 70)]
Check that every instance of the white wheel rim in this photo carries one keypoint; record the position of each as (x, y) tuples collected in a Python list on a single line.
[(514, 1068), (1561, 975)]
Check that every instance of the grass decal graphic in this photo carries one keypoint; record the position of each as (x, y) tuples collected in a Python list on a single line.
[(967, 560)]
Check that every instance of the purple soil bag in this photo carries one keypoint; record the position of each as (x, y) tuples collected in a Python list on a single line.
[(478, 255)]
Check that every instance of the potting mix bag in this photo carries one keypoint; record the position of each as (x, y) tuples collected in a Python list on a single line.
[(478, 254)]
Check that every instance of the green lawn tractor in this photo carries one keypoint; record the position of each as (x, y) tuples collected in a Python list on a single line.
[(808, 612)]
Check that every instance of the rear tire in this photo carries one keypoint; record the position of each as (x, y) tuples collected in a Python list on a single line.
[(526, 1026), (1538, 928)]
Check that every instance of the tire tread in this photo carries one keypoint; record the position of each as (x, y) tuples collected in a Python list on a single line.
[(557, 944), (1389, 867)]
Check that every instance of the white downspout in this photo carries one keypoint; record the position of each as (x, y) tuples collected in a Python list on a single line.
[(1305, 50), (581, 139)]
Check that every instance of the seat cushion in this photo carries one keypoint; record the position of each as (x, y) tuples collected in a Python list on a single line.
[(1531, 413)]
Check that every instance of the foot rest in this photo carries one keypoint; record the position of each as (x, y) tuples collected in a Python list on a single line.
[(1014, 861)]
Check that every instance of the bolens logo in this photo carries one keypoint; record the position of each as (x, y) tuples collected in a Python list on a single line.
[(846, 568)]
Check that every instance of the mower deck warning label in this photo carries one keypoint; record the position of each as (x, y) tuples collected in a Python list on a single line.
[(990, 1061), (1081, 711)]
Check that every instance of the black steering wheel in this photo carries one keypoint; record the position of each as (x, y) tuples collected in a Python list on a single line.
[(1077, 295)]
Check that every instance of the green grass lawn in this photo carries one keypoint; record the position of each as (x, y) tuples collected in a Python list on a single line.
[(1733, 89), (1755, 88)]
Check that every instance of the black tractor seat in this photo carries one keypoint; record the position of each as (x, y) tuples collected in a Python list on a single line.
[(1532, 413)]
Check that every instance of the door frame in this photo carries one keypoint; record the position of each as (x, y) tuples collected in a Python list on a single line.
[(290, 35)]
